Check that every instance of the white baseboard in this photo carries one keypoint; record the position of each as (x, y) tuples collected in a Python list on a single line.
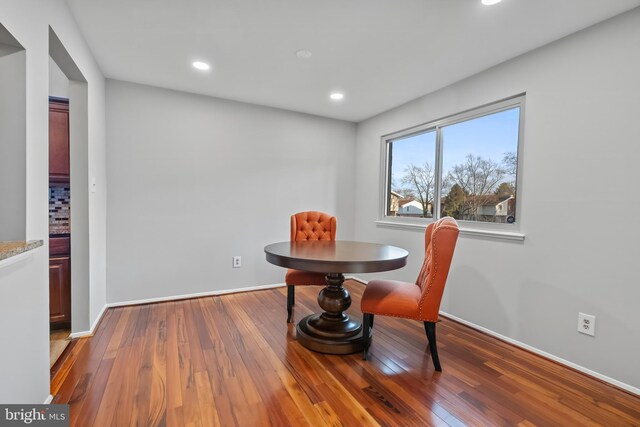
[(203, 294), (48, 400), (90, 332), (544, 354), (98, 318), (195, 295), (81, 334)]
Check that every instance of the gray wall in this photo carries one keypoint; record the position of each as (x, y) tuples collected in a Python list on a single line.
[(13, 146), (24, 315), (58, 81), (80, 218), (195, 180), (579, 200), (24, 285)]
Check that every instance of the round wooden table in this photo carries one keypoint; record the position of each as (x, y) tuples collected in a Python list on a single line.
[(332, 331)]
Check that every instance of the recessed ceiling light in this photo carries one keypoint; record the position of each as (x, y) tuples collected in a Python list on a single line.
[(201, 65), (304, 54), (490, 2), (336, 96)]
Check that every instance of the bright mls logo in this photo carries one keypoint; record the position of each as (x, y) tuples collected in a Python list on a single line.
[(35, 415)]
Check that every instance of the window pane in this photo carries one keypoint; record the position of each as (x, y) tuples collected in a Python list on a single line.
[(412, 176), (479, 160)]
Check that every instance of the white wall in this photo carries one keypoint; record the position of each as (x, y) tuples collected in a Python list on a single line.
[(82, 285), (13, 146), (58, 82), (24, 355), (195, 180), (580, 151), (24, 286)]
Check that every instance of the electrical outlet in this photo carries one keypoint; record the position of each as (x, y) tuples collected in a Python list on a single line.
[(237, 261), (587, 324)]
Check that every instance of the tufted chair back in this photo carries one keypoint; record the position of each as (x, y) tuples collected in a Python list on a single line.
[(312, 225), (439, 241)]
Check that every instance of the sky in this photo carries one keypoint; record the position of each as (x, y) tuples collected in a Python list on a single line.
[(489, 137)]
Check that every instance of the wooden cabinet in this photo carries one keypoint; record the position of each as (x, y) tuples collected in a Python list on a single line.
[(59, 164), (60, 290), (59, 282)]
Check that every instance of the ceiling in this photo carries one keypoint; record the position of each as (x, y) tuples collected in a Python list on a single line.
[(379, 53)]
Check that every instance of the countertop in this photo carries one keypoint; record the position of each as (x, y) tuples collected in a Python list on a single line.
[(9, 249)]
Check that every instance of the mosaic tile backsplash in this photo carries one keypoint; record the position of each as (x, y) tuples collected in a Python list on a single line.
[(59, 210)]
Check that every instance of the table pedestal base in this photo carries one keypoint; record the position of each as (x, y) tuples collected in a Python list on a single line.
[(324, 342), (332, 332)]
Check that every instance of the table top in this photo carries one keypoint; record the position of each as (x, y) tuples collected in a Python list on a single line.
[(339, 256)]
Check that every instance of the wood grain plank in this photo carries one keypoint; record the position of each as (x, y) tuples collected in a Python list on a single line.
[(190, 404), (173, 388), (65, 367)]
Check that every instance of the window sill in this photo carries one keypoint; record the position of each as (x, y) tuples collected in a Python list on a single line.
[(472, 232)]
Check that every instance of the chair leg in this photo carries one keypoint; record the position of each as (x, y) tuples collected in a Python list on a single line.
[(367, 325), (430, 329), (291, 299)]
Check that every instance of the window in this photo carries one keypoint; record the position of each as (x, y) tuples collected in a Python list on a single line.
[(464, 166)]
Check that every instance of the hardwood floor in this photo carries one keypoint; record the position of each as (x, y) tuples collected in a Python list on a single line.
[(232, 360)]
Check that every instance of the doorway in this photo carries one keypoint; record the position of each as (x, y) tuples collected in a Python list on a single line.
[(68, 201), (59, 216)]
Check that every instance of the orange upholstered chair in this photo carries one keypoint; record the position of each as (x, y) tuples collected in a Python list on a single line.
[(309, 225), (421, 300)]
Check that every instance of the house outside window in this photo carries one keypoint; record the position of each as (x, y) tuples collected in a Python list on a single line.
[(464, 166)]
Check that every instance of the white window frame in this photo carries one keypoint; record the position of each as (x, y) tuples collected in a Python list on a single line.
[(474, 228)]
